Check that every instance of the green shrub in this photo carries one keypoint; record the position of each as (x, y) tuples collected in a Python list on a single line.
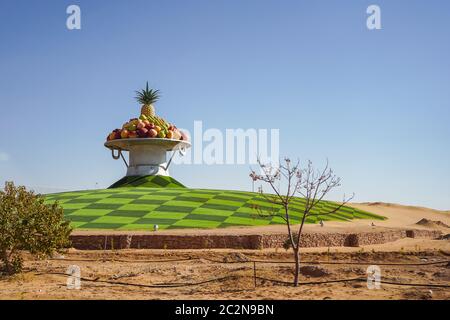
[(287, 242), (28, 224)]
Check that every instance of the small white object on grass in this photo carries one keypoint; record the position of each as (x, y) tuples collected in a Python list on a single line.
[(155, 227)]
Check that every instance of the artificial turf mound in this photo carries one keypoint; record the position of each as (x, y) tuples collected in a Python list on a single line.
[(170, 205), (147, 182)]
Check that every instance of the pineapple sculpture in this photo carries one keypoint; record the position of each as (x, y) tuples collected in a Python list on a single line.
[(147, 97), (148, 125)]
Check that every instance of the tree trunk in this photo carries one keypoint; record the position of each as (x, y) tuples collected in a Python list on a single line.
[(297, 266)]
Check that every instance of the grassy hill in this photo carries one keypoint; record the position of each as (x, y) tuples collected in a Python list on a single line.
[(139, 203), (147, 182)]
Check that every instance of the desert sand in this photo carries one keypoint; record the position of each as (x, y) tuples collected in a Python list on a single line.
[(399, 216)]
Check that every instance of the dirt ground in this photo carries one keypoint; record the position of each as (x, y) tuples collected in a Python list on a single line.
[(124, 274)]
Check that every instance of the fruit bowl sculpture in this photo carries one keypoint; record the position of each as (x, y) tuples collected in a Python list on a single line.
[(147, 139), (148, 125)]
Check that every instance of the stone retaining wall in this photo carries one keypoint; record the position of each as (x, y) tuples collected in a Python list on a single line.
[(171, 241)]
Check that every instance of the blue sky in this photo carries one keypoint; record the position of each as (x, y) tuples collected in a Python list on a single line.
[(376, 103)]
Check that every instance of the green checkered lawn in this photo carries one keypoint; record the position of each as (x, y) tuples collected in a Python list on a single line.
[(147, 182), (139, 208)]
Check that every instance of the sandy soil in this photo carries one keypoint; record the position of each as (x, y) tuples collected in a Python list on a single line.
[(46, 279), (402, 216)]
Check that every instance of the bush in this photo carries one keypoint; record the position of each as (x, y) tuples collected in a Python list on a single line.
[(28, 224), (287, 242)]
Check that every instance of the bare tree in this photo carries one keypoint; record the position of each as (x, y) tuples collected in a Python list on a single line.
[(313, 185)]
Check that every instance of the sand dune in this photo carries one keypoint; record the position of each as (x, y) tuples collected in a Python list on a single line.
[(401, 216)]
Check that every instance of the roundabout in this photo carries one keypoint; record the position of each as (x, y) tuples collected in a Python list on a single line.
[(147, 198)]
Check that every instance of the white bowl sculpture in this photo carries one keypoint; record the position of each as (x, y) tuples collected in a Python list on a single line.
[(147, 156)]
